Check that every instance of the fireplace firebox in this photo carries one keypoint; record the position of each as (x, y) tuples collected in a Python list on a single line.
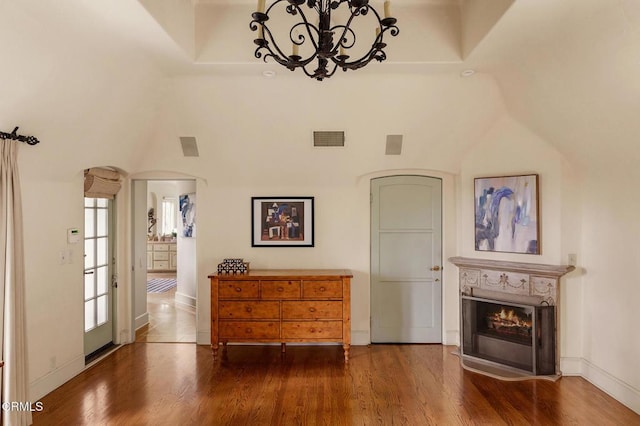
[(515, 335)]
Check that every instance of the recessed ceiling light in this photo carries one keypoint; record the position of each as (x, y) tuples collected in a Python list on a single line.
[(269, 73), (467, 73)]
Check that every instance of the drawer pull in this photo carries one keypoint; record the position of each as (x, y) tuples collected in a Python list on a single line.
[(248, 330), (238, 289), (280, 289), (322, 289), (313, 330), (248, 309), (312, 309)]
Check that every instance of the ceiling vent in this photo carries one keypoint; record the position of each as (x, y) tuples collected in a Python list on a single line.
[(394, 145), (189, 146), (328, 139)]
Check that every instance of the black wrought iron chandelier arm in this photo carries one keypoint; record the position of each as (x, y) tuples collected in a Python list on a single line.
[(378, 55), (301, 38), (321, 37), (319, 75), (346, 29)]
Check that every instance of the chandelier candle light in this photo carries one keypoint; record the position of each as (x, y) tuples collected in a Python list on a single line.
[(330, 53)]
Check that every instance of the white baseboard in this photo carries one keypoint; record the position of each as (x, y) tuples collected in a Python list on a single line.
[(56, 378), (142, 320), (611, 385), (616, 388), (360, 337), (203, 337), (185, 299), (451, 337), (571, 366)]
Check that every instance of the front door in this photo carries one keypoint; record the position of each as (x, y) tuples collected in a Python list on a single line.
[(406, 259), (98, 273)]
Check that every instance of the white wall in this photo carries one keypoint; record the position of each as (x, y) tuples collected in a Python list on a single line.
[(187, 253), (54, 291), (609, 254), (139, 226)]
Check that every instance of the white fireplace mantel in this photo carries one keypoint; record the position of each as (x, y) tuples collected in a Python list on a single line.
[(516, 278)]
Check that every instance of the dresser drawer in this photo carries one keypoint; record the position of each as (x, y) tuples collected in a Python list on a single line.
[(238, 289), (248, 330), (312, 330), (322, 289), (249, 310), (317, 309), (161, 247), (280, 289)]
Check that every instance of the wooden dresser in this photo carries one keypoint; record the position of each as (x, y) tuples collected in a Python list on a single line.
[(281, 306)]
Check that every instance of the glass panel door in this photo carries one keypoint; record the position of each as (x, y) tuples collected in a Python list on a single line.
[(98, 262)]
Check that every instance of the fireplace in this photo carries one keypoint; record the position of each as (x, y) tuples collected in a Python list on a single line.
[(509, 317), (514, 335)]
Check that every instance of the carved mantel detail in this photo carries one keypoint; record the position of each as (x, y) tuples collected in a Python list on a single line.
[(540, 281)]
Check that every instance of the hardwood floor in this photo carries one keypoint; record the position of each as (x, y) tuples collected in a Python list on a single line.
[(168, 322), (180, 384)]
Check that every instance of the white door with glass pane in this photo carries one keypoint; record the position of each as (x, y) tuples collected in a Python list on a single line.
[(98, 272)]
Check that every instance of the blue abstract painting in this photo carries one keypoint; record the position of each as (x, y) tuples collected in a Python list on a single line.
[(188, 213), (506, 214)]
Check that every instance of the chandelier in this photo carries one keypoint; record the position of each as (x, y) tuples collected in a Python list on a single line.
[(329, 43)]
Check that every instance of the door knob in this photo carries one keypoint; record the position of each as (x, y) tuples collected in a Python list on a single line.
[(435, 268)]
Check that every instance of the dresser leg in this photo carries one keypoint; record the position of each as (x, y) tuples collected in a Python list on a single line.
[(346, 348), (283, 347), (214, 350)]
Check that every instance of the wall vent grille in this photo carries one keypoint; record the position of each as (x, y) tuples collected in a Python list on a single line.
[(189, 146), (328, 139), (394, 145)]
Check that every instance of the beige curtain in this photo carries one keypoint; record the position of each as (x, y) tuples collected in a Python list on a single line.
[(15, 383)]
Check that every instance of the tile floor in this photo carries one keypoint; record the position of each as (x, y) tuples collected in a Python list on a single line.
[(168, 322)]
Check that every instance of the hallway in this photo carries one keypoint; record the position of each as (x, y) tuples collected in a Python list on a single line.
[(168, 322)]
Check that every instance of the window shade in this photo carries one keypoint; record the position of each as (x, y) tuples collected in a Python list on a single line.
[(101, 183)]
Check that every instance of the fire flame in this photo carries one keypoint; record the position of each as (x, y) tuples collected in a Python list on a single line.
[(508, 318)]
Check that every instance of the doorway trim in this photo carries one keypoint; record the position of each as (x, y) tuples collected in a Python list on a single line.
[(139, 256), (158, 176)]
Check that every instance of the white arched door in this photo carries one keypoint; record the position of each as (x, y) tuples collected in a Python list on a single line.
[(406, 259)]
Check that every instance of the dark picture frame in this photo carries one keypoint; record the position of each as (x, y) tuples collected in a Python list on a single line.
[(507, 214), (282, 221)]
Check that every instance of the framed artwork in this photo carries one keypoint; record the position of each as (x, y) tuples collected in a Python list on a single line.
[(507, 214), (188, 214), (282, 222)]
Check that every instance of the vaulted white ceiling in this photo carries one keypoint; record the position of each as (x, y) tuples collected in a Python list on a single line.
[(568, 70)]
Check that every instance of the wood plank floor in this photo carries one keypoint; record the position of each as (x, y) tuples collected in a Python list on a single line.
[(169, 322), (179, 384)]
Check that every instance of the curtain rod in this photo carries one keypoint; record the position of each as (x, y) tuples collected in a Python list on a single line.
[(31, 140)]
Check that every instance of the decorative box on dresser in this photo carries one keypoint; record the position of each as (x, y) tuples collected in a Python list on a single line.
[(281, 306)]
